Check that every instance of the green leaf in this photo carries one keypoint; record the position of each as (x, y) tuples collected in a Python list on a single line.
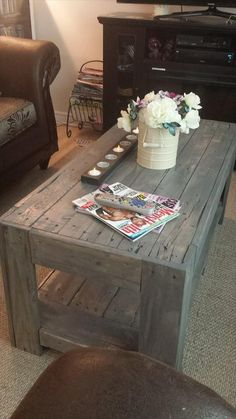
[(172, 129)]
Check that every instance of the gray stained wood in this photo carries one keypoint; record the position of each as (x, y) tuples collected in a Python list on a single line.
[(142, 289)]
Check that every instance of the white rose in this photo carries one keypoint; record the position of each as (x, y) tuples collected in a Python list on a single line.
[(183, 127), (192, 100), (161, 111), (149, 97), (124, 121), (191, 120)]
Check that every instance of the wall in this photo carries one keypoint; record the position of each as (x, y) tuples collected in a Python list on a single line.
[(73, 26)]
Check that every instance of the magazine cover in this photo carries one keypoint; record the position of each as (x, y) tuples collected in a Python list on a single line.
[(123, 190), (130, 224)]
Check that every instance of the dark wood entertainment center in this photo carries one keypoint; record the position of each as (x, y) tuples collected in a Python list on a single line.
[(182, 55)]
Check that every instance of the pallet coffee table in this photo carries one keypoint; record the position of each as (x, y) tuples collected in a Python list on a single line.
[(102, 289)]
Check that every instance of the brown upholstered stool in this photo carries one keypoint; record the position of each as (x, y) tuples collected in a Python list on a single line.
[(91, 383)]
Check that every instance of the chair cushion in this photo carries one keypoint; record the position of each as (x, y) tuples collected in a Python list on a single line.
[(93, 383), (16, 115)]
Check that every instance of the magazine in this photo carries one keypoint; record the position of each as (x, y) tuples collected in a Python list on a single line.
[(122, 190), (130, 224), (92, 83), (93, 71)]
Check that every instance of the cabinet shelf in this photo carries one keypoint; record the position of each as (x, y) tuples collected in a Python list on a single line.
[(221, 71)]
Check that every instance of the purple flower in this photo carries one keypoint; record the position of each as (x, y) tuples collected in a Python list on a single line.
[(172, 95), (139, 102)]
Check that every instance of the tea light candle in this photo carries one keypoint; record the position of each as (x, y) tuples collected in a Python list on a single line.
[(118, 149), (94, 172)]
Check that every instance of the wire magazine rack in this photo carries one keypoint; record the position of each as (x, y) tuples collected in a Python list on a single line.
[(85, 102)]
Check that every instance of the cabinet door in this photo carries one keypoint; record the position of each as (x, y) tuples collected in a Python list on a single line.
[(200, 60), (218, 99), (15, 18), (123, 56)]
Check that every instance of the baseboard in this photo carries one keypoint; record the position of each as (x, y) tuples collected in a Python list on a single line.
[(61, 119)]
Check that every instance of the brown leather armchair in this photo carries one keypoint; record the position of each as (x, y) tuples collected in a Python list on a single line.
[(93, 383), (28, 134)]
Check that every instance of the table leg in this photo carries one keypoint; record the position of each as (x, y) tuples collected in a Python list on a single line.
[(225, 194), (165, 298), (20, 286)]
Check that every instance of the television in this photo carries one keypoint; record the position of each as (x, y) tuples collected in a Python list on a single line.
[(217, 3), (210, 11)]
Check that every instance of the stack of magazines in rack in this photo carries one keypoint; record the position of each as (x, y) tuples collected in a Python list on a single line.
[(89, 83), (130, 224)]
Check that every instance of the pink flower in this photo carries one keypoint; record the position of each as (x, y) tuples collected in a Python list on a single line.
[(140, 102)]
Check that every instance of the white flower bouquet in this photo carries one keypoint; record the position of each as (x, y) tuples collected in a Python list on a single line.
[(163, 110)]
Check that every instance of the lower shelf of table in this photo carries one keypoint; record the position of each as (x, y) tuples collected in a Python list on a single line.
[(84, 311)]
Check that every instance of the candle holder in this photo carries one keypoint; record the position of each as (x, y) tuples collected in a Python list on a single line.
[(125, 143), (109, 161), (111, 156), (131, 137), (103, 164)]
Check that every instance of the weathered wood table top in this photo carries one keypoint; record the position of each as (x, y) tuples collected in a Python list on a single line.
[(44, 229)]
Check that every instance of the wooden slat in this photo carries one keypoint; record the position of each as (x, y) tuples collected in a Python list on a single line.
[(51, 340), (45, 196), (66, 254), (221, 185), (63, 323), (63, 212), (21, 290), (94, 296), (197, 193), (123, 307), (201, 251), (162, 298), (61, 287), (7, 288)]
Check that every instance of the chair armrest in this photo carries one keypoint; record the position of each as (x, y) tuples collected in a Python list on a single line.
[(27, 66)]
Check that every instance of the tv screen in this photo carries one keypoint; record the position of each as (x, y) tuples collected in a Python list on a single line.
[(217, 3)]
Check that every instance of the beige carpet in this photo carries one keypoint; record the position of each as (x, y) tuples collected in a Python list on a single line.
[(210, 350)]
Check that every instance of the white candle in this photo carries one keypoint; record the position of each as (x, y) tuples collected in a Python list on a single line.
[(118, 149), (94, 172)]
